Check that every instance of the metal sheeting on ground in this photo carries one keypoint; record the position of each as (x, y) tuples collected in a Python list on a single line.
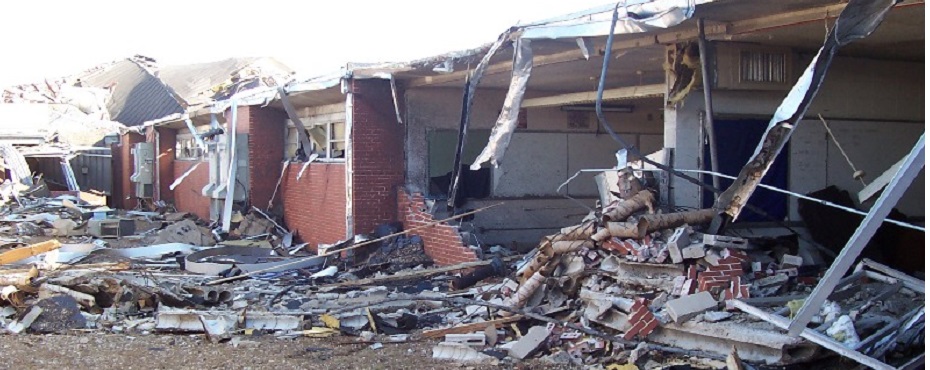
[(216, 260), (152, 250)]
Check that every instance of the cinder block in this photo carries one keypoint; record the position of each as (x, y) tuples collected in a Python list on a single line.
[(723, 241), (684, 308), (679, 240)]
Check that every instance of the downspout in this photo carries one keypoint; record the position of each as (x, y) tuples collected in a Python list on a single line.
[(346, 89)]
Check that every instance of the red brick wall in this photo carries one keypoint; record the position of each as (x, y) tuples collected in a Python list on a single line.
[(123, 194), (167, 138), (315, 206), (377, 154), (266, 151), (187, 196), (442, 242)]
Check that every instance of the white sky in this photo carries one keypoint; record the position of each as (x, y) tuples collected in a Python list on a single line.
[(58, 38)]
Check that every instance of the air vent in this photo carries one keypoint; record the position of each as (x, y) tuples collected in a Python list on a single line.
[(754, 67), (763, 66)]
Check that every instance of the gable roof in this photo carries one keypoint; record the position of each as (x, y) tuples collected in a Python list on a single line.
[(136, 95)]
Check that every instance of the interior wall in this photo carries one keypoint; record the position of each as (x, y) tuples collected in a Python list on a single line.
[(875, 110), (539, 158)]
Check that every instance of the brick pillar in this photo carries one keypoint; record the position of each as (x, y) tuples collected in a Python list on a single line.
[(377, 154), (123, 195), (266, 152)]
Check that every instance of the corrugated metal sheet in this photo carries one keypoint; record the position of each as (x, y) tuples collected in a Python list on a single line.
[(138, 95), (94, 170)]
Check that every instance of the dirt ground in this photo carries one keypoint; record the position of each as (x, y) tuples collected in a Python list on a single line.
[(117, 351)]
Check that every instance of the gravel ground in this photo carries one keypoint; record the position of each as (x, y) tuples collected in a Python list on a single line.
[(113, 351)]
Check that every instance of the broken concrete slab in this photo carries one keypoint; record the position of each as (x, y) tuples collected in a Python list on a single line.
[(686, 307), (715, 316), (529, 343), (693, 251), (26, 321), (186, 232), (777, 279), (460, 352)]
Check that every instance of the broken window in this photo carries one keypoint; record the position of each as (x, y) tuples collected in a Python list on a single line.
[(186, 148), (326, 140)]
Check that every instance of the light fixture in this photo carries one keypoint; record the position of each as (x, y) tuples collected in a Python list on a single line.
[(591, 108)]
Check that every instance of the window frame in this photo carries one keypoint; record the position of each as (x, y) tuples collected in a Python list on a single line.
[(185, 141), (330, 141)]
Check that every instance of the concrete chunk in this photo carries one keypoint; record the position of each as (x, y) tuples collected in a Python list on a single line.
[(693, 251), (678, 241), (789, 261), (684, 308), (526, 345), (474, 339), (777, 279)]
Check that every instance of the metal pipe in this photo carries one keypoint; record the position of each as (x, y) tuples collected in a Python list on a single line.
[(708, 103)]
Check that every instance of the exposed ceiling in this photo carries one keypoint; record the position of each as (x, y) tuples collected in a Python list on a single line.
[(642, 66), (899, 37), (798, 24)]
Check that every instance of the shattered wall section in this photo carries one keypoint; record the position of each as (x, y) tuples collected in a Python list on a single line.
[(315, 205), (442, 242), (377, 154)]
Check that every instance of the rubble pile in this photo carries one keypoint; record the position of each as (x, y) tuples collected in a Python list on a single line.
[(630, 285)]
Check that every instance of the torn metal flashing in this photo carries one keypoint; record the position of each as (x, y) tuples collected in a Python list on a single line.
[(857, 20), (507, 121), (639, 16)]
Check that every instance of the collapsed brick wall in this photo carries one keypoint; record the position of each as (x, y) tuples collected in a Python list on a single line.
[(187, 196), (377, 155), (266, 153), (123, 192), (314, 206), (442, 242)]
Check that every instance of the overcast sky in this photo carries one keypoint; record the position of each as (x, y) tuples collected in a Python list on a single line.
[(58, 38)]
